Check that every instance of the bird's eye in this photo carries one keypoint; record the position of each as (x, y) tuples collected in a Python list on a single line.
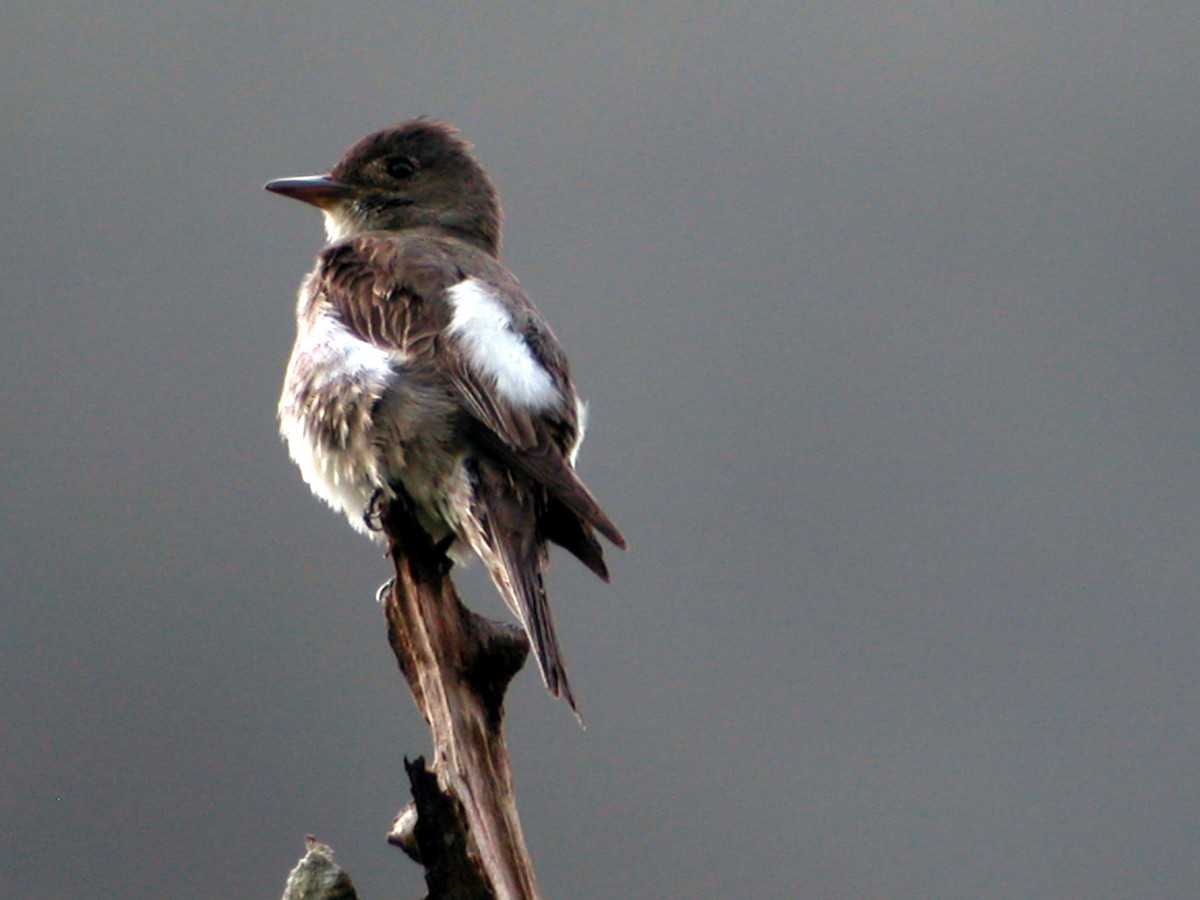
[(401, 167)]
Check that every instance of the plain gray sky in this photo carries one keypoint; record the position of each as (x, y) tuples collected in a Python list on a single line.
[(887, 314)]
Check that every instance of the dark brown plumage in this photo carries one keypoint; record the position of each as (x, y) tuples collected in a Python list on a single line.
[(421, 363)]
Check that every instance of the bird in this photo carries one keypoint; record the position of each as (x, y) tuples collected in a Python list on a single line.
[(421, 370)]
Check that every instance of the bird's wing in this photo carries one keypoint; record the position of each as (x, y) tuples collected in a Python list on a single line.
[(512, 374), (457, 311)]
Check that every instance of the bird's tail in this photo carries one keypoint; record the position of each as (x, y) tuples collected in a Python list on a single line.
[(505, 536)]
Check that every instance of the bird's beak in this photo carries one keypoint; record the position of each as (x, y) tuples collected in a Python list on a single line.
[(319, 190)]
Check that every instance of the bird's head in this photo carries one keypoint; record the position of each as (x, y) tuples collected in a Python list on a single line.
[(419, 174)]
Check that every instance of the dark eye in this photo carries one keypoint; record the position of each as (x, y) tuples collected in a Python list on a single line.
[(401, 167)]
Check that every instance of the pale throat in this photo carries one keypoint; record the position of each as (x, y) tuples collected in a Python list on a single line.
[(338, 225)]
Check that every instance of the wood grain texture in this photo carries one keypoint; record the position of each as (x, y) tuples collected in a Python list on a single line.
[(467, 833)]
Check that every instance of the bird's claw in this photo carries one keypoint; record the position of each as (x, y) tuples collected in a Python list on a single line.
[(381, 595), (373, 512)]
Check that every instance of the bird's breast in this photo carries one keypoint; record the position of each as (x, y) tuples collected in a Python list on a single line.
[(333, 385)]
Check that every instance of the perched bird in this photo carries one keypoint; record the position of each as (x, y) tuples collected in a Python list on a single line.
[(421, 369)]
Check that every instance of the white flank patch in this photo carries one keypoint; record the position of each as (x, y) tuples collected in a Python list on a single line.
[(483, 325)]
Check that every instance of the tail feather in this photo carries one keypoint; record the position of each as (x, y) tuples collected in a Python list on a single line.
[(505, 536), (516, 568)]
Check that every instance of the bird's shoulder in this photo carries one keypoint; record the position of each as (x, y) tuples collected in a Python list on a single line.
[(386, 289), (374, 277), (448, 305)]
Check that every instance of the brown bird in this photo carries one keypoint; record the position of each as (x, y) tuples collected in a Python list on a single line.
[(422, 369)]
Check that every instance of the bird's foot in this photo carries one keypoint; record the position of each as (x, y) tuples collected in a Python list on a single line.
[(381, 595), (373, 512)]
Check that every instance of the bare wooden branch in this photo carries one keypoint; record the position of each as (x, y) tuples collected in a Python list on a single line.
[(467, 832)]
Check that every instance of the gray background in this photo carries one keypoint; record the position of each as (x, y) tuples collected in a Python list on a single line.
[(887, 316)]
